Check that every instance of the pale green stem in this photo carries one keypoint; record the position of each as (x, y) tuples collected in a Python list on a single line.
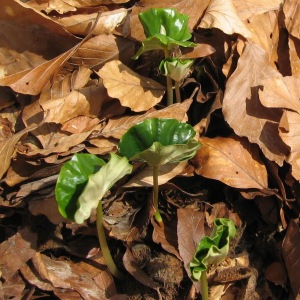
[(169, 83), (157, 215), (204, 285), (103, 245), (177, 92)]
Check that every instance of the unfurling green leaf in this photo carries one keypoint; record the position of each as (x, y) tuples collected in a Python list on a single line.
[(165, 28), (213, 249), (159, 141), (81, 185), (72, 179), (176, 68)]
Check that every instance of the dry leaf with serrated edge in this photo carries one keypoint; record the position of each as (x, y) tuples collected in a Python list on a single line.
[(291, 10), (133, 90), (242, 108), (221, 14), (233, 161)]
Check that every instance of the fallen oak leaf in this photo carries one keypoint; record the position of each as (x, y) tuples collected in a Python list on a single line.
[(133, 90)]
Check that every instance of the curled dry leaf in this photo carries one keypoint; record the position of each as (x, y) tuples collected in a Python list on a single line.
[(242, 108), (133, 90), (233, 161), (221, 14)]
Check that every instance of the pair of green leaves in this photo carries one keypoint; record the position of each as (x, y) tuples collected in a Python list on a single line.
[(165, 29), (85, 179), (213, 249)]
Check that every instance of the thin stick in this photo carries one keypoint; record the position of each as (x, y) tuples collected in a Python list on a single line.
[(157, 214)]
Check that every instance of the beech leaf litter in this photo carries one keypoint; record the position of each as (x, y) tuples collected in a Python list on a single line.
[(69, 84)]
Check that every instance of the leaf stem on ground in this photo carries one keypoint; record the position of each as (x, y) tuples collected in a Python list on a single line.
[(103, 245), (204, 285), (177, 92), (157, 214)]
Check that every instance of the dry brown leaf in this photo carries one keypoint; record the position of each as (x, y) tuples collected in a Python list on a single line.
[(7, 147), (282, 92), (290, 133), (116, 127), (14, 288), (79, 24), (64, 84), (191, 221), (16, 251), (183, 6), (291, 10), (249, 8), (243, 110), (262, 28), (63, 7), (100, 49), (291, 255), (233, 161), (133, 90), (221, 14), (294, 46)]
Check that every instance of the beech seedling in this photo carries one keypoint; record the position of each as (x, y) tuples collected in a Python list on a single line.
[(158, 142), (212, 250), (82, 183), (165, 29)]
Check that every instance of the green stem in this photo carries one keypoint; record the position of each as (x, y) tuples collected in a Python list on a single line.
[(103, 245), (169, 83), (157, 214), (177, 92), (204, 285)]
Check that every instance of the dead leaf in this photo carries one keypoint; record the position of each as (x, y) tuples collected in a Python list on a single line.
[(7, 147), (291, 10), (133, 90), (221, 14), (233, 161), (290, 132), (291, 252), (16, 251), (242, 108), (116, 127), (282, 92), (191, 221), (13, 288)]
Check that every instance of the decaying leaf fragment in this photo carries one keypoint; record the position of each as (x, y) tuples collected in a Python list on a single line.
[(133, 90)]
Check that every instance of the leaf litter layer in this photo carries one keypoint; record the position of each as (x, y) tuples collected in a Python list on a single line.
[(69, 85)]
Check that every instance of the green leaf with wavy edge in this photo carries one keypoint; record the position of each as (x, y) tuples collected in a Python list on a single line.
[(176, 68), (165, 28), (99, 183), (213, 249), (72, 179), (159, 141)]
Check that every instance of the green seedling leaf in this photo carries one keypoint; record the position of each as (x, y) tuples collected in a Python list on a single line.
[(72, 179), (99, 183), (165, 28), (176, 68), (213, 249), (159, 141), (84, 180)]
